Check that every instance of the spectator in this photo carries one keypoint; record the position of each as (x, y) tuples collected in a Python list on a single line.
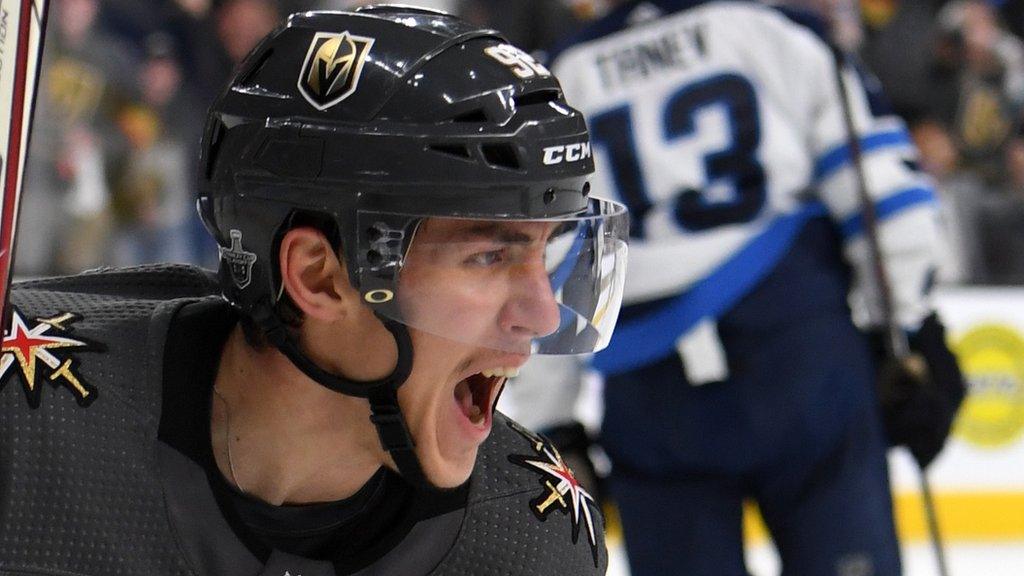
[(531, 24), (153, 184), (906, 28), (64, 222), (970, 136), (979, 87), (242, 23)]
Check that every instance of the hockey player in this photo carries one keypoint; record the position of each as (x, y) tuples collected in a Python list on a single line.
[(737, 371), (396, 237)]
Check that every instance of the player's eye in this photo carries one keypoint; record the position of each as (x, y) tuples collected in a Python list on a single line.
[(487, 258)]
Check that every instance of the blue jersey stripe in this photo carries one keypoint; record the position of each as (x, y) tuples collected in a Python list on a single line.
[(653, 336), (888, 208), (838, 157)]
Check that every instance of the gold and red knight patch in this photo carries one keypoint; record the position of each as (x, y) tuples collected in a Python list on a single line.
[(561, 490), (40, 351)]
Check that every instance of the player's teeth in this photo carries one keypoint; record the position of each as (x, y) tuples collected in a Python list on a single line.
[(507, 372)]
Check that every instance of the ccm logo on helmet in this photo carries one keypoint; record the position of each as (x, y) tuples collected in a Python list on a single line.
[(568, 153)]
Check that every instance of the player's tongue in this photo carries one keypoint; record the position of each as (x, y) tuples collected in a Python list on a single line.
[(473, 395), (465, 398)]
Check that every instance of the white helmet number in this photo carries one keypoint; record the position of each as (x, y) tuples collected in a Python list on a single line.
[(522, 64)]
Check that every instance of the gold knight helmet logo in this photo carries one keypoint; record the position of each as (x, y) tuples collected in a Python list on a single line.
[(332, 68)]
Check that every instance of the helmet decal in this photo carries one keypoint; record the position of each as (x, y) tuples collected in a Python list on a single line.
[(239, 261), (332, 68), (577, 152), (522, 64), (379, 296)]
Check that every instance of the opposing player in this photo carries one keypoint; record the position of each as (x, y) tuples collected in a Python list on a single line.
[(737, 371), (394, 244)]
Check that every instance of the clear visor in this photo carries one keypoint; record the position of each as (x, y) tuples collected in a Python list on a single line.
[(551, 286)]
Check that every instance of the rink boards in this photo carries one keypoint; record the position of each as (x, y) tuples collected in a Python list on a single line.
[(978, 481)]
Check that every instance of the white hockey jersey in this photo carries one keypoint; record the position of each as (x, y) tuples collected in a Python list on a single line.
[(721, 126)]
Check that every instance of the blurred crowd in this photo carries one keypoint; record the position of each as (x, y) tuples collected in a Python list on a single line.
[(125, 85)]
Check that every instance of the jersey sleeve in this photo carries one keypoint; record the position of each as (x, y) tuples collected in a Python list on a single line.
[(905, 203)]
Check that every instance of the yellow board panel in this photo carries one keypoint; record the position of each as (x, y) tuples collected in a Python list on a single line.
[(963, 517)]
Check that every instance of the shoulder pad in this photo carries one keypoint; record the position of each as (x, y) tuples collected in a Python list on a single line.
[(152, 282)]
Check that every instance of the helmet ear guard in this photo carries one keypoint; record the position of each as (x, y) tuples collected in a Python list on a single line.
[(387, 240)]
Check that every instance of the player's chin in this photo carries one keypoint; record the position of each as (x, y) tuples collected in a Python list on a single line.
[(451, 469)]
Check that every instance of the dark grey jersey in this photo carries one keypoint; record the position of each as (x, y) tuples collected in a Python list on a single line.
[(88, 488)]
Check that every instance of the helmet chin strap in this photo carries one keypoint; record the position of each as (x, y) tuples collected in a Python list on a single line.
[(385, 413)]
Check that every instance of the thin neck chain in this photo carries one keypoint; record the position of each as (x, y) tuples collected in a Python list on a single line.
[(227, 439)]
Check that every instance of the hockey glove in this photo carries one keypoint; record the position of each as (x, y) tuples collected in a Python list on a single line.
[(920, 395), (573, 443)]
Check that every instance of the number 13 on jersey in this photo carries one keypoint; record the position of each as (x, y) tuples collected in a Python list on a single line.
[(735, 165)]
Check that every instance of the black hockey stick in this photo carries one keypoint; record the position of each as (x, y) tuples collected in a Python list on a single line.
[(22, 23), (897, 342)]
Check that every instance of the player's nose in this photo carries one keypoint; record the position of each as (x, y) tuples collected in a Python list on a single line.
[(531, 311)]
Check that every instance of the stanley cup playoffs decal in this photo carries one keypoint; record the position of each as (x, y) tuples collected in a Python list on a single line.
[(332, 68)]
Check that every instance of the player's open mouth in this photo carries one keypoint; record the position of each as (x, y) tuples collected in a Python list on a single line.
[(477, 394)]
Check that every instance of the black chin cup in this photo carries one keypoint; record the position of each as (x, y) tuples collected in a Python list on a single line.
[(385, 413)]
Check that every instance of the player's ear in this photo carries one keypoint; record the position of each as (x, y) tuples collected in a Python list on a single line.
[(313, 276)]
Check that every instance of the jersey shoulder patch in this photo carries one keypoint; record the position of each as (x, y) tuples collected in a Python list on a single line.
[(518, 465), (96, 332), (37, 350)]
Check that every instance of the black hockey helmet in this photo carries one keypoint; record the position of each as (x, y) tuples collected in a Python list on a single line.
[(383, 118)]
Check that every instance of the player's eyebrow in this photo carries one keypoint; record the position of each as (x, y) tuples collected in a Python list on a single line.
[(491, 231)]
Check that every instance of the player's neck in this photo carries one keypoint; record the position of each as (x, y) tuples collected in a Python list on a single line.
[(283, 438)]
